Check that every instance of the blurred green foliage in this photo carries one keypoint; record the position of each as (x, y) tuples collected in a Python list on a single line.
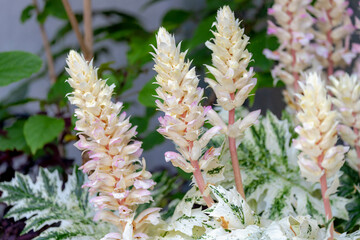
[(51, 128)]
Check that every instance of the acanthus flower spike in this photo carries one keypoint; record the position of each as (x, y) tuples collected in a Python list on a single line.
[(332, 34), (346, 97), (184, 116), (116, 174), (319, 158), (233, 81), (292, 27)]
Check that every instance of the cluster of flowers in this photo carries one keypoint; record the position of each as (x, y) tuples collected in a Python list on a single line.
[(119, 178), (116, 174), (312, 38)]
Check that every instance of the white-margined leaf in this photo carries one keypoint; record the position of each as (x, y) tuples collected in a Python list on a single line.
[(45, 202), (273, 185)]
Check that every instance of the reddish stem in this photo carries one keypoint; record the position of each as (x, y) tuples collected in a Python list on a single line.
[(326, 201), (201, 183), (233, 153)]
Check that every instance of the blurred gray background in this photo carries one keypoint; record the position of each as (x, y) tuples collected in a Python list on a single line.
[(26, 37)]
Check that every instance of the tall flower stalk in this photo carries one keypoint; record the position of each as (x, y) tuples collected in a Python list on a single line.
[(319, 158), (233, 82), (346, 92), (292, 29), (116, 174), (184, 116)]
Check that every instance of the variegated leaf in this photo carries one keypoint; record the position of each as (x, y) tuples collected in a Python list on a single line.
[(45, 202), (272, 180)]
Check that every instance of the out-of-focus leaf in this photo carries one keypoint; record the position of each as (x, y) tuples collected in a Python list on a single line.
[(213, 5), (348, 180), (120, 31), (353, 209), (152, 139), (146, 95), (257, 44), (17, 65), (124, 17), (183, 174), (200, 56), (4, 114), (142, 122), (14, 138), (18, 94), (139, 50), (150, 3), (40, 129), (112, 79), (65, 29), (59, 90), (26, 14), (106, 66), (54, 8), (174, 18), (201, 34)]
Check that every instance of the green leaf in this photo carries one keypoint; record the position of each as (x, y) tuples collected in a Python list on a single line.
[(214, 5), (54, 8), (14, 138), (353, 209), (59, 90), (139, 50), (348, 181), (152, 139), (40, 129), (147, 93), (202, 33), (17, 65), (27, 13), (141, 123), (174, 18), (258, 43), (17, 94), (46, 201)]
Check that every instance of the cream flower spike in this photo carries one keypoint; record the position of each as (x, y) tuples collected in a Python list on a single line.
[(233, 82), (319, 158), (230, 60), (292, 27), (332, 34), (346, 92), (318, 132), (116, 176), (184, 116)]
